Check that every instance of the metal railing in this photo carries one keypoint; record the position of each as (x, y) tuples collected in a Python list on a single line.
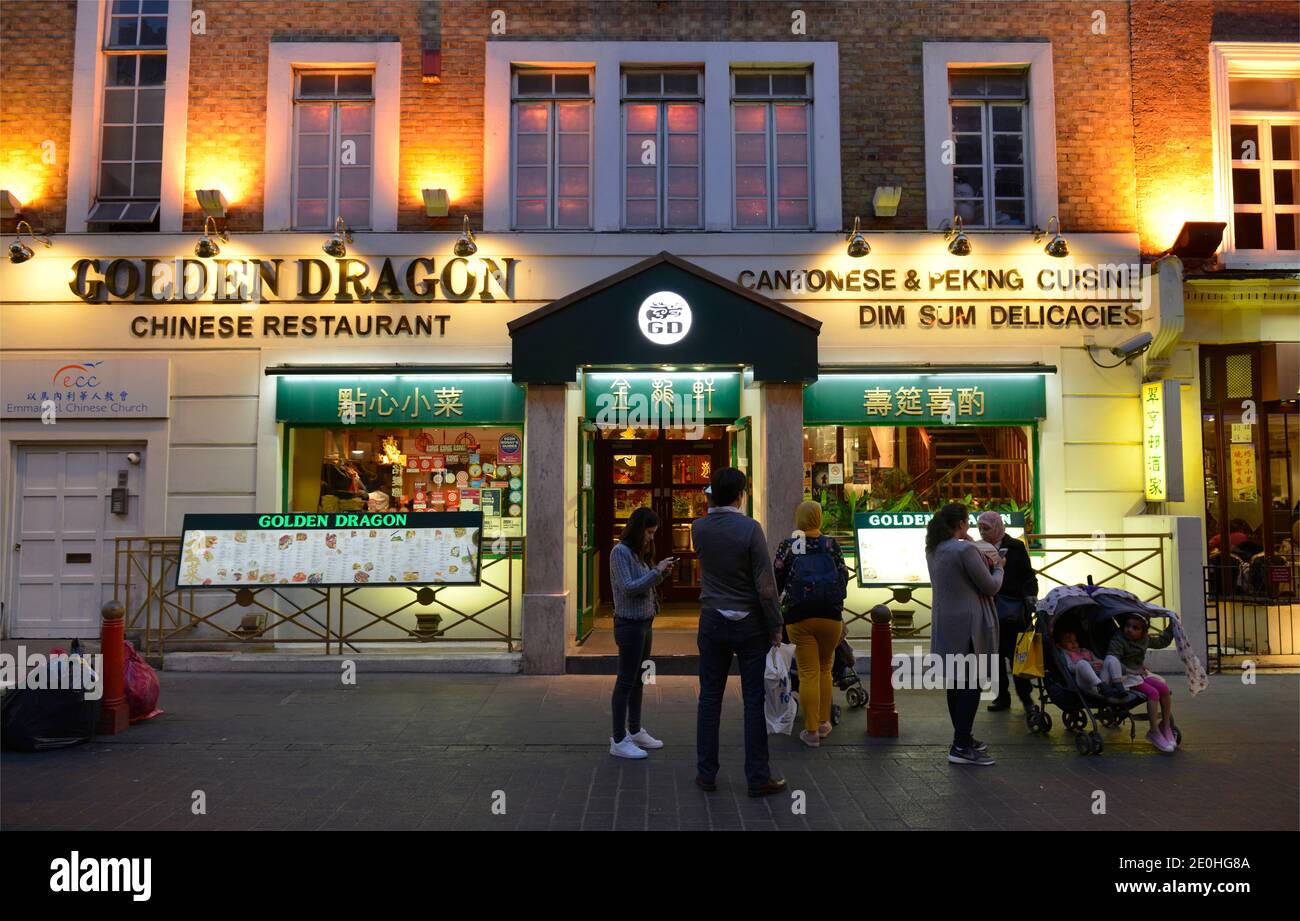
[(1241, 624), (169, 618)]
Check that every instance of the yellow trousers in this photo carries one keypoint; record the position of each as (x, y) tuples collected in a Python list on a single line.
[(814, 641)]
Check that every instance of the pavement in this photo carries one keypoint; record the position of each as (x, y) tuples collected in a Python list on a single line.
[(419, 751)]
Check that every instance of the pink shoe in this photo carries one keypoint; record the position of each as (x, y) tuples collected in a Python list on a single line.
[(1168, 732), (1155, 738)]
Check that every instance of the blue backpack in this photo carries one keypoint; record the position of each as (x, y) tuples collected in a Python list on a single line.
[(814, 588)]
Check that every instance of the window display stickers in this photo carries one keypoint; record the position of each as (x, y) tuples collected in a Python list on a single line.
[(343, 549)]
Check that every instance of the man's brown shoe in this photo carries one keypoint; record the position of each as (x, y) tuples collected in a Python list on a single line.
[(767, 789), (706, 785)]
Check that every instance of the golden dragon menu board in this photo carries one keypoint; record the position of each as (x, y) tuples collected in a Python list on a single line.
[(327, 550)]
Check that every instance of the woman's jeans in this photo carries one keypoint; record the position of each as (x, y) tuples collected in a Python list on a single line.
[(963, 704), (633, 638), (815, 639)]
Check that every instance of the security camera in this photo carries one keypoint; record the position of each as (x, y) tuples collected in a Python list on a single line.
[(133, 458), (1130, 349)]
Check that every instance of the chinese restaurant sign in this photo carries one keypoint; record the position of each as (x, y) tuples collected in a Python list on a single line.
[(924, 399), (334, 549), (891, 545), (78, 388), (1162, 442), (405, 399), (643, 399)]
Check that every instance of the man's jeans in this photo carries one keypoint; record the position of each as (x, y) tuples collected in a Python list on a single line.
[(720, 639)]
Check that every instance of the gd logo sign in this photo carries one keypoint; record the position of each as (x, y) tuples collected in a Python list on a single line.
[(665, 318)]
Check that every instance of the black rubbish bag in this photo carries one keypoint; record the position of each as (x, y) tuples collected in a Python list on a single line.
[(34, 720)]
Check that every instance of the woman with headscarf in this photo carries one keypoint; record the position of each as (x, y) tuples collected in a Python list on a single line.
[(1018, 583), (812, 579)]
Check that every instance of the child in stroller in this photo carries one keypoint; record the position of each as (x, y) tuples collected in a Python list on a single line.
[(1091, 616), (843, 676)]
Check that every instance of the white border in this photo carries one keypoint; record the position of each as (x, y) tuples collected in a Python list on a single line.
[(386, 57), (87, 105), (937, 57), (1263, 59), (607, 59)]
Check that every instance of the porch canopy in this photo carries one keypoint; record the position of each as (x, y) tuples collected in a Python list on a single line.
[(663, 311)]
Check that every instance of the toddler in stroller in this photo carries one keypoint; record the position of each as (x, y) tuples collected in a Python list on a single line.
[(843, 676)]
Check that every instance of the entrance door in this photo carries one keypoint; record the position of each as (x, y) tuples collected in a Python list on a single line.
[(669, 476), (62, 559)]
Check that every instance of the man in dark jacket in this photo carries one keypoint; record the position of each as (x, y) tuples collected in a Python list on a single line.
[(1018, 583), (739, 617)]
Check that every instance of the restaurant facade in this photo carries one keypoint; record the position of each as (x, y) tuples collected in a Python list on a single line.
[(554, 262)]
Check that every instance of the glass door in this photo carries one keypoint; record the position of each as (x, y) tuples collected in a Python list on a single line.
[(687, 469), (627, 476)]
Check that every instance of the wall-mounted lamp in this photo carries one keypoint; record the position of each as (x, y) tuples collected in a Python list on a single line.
[(212, 202), (885, 200), (465, 246), (207, 247), (958, 245), (1198, 240), (436, 202), (1056, 247), (9, 205), (858, 245), (431, 65), (336, 245), (20, 253)]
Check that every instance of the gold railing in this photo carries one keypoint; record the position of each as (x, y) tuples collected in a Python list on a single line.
[(169, 618)]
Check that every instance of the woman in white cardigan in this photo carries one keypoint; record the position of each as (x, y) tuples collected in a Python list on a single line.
[(963, 621)]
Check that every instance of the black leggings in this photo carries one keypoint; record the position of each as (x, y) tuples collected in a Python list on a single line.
[(963, 704), (633, 638)]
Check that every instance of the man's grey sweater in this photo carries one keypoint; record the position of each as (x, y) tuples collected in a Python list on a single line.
[(735, 571)]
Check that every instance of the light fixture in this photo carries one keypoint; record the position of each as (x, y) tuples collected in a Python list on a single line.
[(207, 247), (959, 245), (465, 246), (858, 245), (431, 65), (1198, 240), (9, 205), (17, 251), (436, 202), (885, 200), (211, 201), (1056, 247), (336, 245)]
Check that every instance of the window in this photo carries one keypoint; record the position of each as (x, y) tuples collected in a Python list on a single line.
[(131, 130), (662, 150), (552, 153), (990, 176), (771, 149), (333, 148), (1264, 134)]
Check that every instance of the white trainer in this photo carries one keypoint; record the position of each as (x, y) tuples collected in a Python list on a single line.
[(625, 749), (645, 740)]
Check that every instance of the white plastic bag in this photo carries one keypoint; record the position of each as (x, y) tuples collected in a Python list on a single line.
[(780, 703)]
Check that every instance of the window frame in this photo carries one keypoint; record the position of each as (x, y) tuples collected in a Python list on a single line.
[(662, 100), (988, 133), (336, 103), (1248, 60), (553, 102), (770, 102)]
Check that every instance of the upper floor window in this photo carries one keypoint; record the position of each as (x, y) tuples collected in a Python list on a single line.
[(333, 155), (988, 112), (1264, 132), (551, 149), (771, 116), (663, 152), (131, 129)]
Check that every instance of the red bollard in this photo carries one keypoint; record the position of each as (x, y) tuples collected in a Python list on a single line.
[(882, 718), (113, 714)]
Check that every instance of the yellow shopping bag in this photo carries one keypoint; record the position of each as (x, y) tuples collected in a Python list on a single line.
[(1028, 661)]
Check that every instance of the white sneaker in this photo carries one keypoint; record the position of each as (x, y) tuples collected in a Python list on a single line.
[(625, 749), (644, 740)]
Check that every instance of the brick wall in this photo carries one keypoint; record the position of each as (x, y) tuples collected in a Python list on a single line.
[(36, 41)]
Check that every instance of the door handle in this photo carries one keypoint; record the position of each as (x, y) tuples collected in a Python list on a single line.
[(18, 547)]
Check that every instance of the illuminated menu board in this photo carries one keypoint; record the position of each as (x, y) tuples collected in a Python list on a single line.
[(334, 549), (891, 545)]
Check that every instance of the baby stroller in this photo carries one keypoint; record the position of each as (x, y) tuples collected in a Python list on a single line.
[(1093, 614), (843, 676)]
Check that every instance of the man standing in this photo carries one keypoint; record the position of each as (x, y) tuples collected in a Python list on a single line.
[(740, 617)]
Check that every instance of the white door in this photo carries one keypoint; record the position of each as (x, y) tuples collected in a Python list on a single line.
[(62, 558)]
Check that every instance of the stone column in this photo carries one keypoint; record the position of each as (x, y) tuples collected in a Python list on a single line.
[(545, 596), (782, 456)]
